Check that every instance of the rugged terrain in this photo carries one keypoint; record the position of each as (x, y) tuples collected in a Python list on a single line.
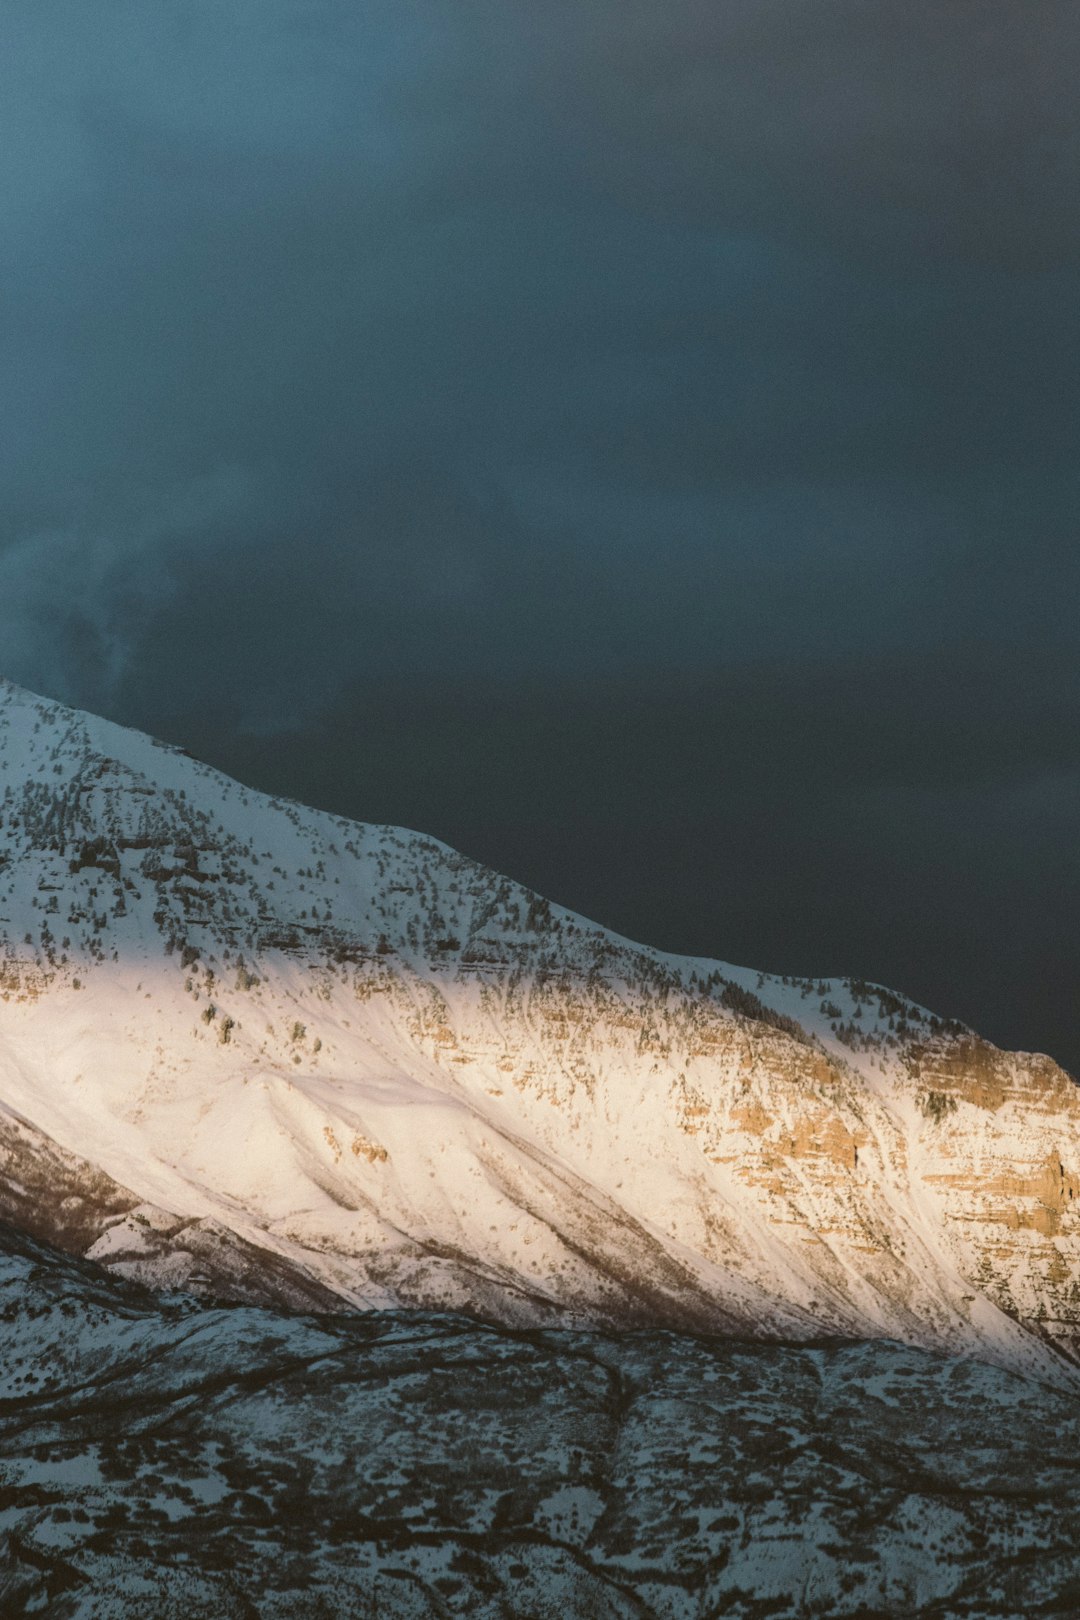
[(378, 1239), (274, 1056), (166, 1460)]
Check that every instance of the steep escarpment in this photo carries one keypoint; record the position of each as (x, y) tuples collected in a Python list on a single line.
[(271, 1049)]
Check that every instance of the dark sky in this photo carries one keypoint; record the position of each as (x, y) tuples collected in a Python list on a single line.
[(634, 440)]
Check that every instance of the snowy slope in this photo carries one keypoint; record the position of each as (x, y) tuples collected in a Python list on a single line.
[(401, 1079), (162, 1460)]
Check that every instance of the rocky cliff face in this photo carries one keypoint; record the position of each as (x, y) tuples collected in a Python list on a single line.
[(253, 1047)]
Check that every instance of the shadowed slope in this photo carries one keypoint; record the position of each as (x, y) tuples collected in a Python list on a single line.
[(161, 1459)]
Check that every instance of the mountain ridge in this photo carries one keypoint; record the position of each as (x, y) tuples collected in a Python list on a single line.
[(408, 1081)]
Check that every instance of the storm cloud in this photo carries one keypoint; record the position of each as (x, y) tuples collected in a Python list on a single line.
[(636, 442)]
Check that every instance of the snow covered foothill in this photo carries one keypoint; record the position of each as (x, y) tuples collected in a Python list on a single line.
[(164, 1458)]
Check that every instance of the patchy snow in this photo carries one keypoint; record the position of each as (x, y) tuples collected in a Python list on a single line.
[(218, 1461)]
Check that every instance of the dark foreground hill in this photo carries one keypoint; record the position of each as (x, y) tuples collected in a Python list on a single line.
[(161, 1457)]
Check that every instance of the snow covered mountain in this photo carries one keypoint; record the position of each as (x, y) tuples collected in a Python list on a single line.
[(266, 1054)]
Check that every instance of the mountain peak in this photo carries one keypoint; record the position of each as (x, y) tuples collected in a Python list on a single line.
[(387, 1075)]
